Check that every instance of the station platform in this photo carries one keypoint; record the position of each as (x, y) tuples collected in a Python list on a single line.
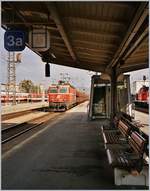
[(67, 153), (8, 109)]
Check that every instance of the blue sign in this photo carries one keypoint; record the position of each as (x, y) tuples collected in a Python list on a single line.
[(14, 40)]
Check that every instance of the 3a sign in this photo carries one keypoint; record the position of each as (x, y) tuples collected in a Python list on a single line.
[(14, 40)]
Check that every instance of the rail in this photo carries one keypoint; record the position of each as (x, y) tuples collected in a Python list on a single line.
[(5, 132), (11, 133)]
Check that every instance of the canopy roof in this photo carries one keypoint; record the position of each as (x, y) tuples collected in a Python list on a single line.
[(87, 35)]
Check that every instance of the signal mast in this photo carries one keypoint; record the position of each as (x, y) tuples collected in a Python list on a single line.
[(11, 74)]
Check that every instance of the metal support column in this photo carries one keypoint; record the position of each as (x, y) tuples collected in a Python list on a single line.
[(113, 92), (11, 81)]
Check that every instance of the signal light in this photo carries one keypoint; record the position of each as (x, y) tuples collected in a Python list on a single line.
[(47, 70)]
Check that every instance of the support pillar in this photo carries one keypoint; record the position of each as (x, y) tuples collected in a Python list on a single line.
[(113, 92)]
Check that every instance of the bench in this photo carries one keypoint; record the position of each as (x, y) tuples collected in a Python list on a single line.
[(129, 162), (127, 119), (118, 136), (126, 116), (114, 124), (136, 126)]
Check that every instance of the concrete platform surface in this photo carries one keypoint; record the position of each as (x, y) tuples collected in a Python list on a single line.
[(7, 109), (67, 153)]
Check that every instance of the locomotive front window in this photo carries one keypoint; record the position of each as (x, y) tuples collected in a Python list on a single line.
[(53, 90), (63, 90)]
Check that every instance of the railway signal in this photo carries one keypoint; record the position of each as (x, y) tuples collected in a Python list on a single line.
[(47, 70)]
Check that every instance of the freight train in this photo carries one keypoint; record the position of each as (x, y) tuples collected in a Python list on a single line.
[(63, 96)]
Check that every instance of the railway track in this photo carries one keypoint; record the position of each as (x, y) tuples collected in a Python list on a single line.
[(13, 132), (10, 133)]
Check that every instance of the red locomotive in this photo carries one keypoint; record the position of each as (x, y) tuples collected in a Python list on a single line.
[(142, 98), (143, 94), (63, 96)]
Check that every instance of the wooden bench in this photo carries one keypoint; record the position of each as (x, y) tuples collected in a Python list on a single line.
[(120, 136), (126, 116), (136, 127), (129, 162), (114, 124)]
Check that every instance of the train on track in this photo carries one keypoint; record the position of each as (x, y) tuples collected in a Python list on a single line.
[(22, 97), (142, 98), (63, 96)]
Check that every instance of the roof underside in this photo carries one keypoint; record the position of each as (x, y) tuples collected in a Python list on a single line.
[(87, 35)]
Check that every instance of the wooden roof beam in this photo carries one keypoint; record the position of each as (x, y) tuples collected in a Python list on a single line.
[(137, 43), (134, 67), (21, 17), (120, 4), (31, 24), (108, 45), (94, 55), (96, 21), (102, 50), (55, 16), (82, 65), (94, 59), (136, 23), (136, 60), (103, 34)]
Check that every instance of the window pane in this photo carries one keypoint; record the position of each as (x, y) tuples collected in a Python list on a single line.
[(63, 90), (53, 90)]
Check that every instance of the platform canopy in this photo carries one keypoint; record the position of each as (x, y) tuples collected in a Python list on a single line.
[(95, 36)]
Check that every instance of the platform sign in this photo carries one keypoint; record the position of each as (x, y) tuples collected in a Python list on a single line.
[(14, 40)]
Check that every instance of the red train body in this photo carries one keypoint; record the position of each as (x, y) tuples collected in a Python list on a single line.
[(143, 94), (64, 96), (22, 97), (61, 97), (142, 98)]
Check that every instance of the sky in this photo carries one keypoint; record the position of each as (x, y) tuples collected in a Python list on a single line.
[(32, 68)]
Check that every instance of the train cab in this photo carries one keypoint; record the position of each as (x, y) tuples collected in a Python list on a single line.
[(61, 97)]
